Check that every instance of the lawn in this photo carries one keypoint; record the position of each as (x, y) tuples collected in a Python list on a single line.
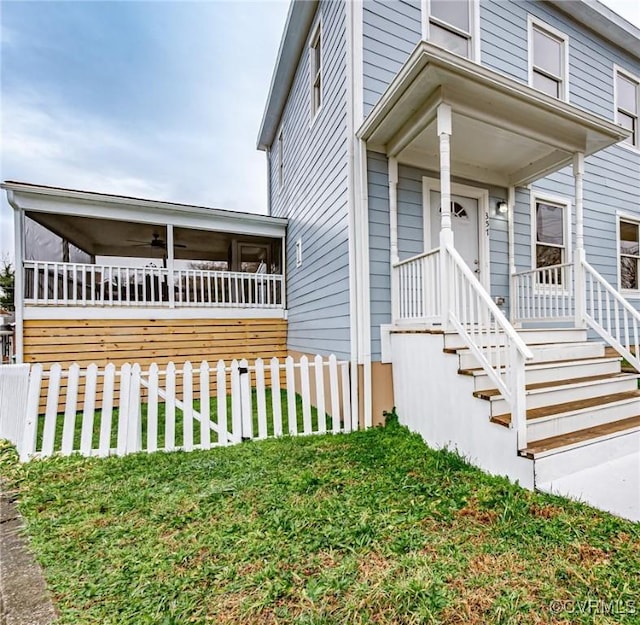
[(362, 528)]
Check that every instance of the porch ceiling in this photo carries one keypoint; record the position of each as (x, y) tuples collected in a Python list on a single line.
[(504, 132)]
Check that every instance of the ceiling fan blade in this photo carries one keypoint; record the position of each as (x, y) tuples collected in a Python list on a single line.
[(179, 245)]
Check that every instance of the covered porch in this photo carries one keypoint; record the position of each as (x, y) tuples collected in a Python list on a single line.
[(91, 251)]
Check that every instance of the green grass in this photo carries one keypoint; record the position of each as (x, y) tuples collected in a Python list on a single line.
[(179, 422), (366, 528)]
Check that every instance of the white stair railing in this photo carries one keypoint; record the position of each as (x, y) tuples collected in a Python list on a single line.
[(611, 316), (488, 334), (544, 294)]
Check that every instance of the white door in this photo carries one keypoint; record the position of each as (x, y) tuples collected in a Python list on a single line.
[(464, 223)]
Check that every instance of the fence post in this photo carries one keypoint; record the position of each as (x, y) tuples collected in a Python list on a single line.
[(14, 389), (245, 400), (134, 423), (28, 441)]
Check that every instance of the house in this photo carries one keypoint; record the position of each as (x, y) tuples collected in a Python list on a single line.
[(462, 187), (107, 278)]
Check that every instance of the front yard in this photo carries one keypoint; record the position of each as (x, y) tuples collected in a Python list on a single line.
[(369, 527)]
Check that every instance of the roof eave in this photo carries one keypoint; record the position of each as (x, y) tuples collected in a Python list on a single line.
[(296, 29)]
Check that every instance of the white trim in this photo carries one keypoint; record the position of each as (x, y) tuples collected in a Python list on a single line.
[(635, 79), (635, 219), (280, 155), (315, 41), (484, 239), (75, 313), (541, 196), (534, 22), (299, 252), (474, 26), (18, 285)]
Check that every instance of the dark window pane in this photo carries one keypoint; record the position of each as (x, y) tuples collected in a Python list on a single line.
[(627, 93), (547, 85), (547, 256), (449, 40), (549, 223), (628, 238), (454, 12), (547, 53), (628, 272)]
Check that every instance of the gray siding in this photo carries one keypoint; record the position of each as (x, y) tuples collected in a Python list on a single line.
[(391, 31), (314, 198)]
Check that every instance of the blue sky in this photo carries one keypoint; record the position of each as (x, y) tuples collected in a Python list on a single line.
[(157, 99)]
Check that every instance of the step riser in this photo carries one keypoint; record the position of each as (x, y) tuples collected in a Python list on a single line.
[(551, 397), (570, 461), (530, 337), (550, 374), (538, 429), (546, 353)]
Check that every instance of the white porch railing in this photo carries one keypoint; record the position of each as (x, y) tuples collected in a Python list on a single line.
[(418, 287), (74, 284), (228, 288), (611, 315), (465, 304), (544, 294)]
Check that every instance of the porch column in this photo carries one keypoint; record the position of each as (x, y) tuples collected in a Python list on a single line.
[(446, 234), (579, 289), (170, 266), (18, 286), (393, 235), (511, 205)]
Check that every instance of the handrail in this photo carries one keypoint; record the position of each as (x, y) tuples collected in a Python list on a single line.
[(541, 269), (509, 330), (603, 326), (482, 326), (417, 257)]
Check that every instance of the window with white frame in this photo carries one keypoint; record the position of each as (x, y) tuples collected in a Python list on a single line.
[(629, 254), (550, 220), (548, 60), (627, 102), (449, 25), (315, 70), (280, 161)]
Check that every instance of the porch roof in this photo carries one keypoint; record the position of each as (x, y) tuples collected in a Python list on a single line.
[(504, 132), (100, 223)]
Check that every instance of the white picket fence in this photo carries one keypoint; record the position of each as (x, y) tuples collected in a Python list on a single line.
[(121, 411)]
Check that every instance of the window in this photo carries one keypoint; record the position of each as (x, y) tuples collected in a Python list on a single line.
[(629, 254), (550, 235), (627, 98), (548, 60), (280, 162), (315, 70), (449, 25)]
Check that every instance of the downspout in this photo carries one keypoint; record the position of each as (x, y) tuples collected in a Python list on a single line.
[(18, 290)]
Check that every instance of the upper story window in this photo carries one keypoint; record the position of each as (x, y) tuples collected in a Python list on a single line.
[(449, 24), (627, 103), (628, 254), (315, 69), (548, 60)]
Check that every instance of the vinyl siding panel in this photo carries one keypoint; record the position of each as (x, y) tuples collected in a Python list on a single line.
[(314, 197), (391, 31)]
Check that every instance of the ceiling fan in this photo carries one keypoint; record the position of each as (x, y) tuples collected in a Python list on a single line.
[(155, 242)]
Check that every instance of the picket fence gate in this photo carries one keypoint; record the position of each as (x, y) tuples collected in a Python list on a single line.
[(129, 409)]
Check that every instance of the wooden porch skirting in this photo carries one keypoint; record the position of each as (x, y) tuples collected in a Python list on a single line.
[(144, 341)]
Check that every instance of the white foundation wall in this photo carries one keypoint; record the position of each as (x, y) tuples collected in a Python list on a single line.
[(435, 401)]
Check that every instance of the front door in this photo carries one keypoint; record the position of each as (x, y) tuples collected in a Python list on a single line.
[(464, 223)]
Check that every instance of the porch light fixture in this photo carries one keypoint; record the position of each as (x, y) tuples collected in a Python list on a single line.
[(502, 208)]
